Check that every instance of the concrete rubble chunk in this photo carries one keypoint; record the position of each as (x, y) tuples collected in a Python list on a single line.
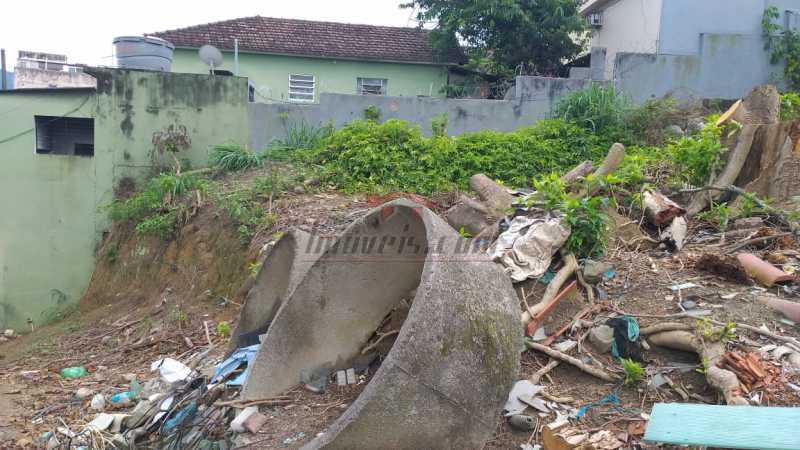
[(463, 325), (238, 423)]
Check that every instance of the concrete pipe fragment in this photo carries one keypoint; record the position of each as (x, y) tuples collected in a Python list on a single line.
[(282, 270), (457, 354)]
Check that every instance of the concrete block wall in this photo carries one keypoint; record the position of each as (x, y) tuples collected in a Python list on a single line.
[(532, 101)]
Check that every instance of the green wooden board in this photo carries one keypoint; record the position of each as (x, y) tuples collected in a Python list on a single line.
[(746, 427)]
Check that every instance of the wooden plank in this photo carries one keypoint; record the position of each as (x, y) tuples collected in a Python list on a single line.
[(747, 427)]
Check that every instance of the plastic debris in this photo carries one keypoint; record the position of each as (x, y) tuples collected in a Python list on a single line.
[(172, 371), (526, 249), (683, 287), (98, 402), (522, 388), (73, 372), (241, 356)]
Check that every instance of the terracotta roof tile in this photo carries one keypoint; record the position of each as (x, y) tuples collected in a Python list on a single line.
[(314, 39)]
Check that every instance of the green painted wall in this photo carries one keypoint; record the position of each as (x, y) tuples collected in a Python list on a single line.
[(270, 74), (52, 205)]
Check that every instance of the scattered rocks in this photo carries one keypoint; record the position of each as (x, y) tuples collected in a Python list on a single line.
[(98, 402), (9, 333), (83, 393), (602, 338), (593, 271), (522, 422)]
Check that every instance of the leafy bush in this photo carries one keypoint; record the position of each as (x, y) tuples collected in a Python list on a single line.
[(585, 216), (232, 157), (597, 108), (372, 113), (696, 157), (156, 208), (783, 43), (367, 156), (299, 136), (790, 106), (646, 122)]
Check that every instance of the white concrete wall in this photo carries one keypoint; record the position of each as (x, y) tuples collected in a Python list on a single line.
[(629, 26)]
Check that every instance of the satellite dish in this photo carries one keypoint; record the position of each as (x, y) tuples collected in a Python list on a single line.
[(211, 56)]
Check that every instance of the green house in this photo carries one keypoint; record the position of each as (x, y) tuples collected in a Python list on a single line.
[(296, 60)]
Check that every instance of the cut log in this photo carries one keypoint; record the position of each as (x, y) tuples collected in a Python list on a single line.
[(581, 170), (614, 158), (761, 106), (724, 118), (660, 209), (494, 195)]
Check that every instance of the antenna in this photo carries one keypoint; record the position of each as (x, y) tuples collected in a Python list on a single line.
[(211, 56)]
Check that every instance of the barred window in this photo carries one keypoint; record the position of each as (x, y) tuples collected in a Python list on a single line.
[(64, 136), (372, 86), (301, 88)]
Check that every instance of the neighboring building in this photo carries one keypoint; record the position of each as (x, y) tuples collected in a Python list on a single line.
[(64, 151), (35, 70), (708, 48), (296, 60)]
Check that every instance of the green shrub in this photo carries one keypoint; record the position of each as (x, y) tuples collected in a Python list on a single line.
[(634, 372), (372, 113), (698, 156), (585, 216), (155, 210), (299, 136), (367, 156), (783, 43), (232, 157), (646, 122), (790, 106), (597, 108)]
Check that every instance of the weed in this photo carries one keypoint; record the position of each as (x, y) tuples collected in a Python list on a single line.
[(254, 269), (112, 254), (178, 316), (597, 108), (372, 113), (299, 136), (439, 125), (634, 373), (157, 208), (160, 224), (232, 157), (697, 157), (707, 331), (585, 216), (718, 214), (171, 140), (783, 44), (646, 122), (464, 233), (224, 330), (790, 106), (367, 156), (246, 213)]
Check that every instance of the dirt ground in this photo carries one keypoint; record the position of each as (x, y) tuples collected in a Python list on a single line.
[(140, 308)]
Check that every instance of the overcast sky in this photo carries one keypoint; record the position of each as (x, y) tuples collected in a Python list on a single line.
[(83, 30)]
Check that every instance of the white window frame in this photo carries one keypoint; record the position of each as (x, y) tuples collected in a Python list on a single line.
[(299, 86), (382, 84)]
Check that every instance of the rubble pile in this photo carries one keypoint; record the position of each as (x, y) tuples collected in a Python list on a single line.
[(491, 314)]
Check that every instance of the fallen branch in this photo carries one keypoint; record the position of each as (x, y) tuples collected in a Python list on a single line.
[(792, 342), (561, 277), (553, 353), (614, 158), (380, 338), (739, 191), (552, 364), (581, 170), (757, 240)]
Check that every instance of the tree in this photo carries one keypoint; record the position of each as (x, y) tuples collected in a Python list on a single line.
[(503, 35)]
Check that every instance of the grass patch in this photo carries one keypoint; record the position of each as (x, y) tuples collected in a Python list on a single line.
[(232, 157)]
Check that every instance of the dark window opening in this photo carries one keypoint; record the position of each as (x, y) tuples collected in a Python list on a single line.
[(64, 136)]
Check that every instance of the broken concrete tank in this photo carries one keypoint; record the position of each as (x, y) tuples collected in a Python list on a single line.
[(457, 354)]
